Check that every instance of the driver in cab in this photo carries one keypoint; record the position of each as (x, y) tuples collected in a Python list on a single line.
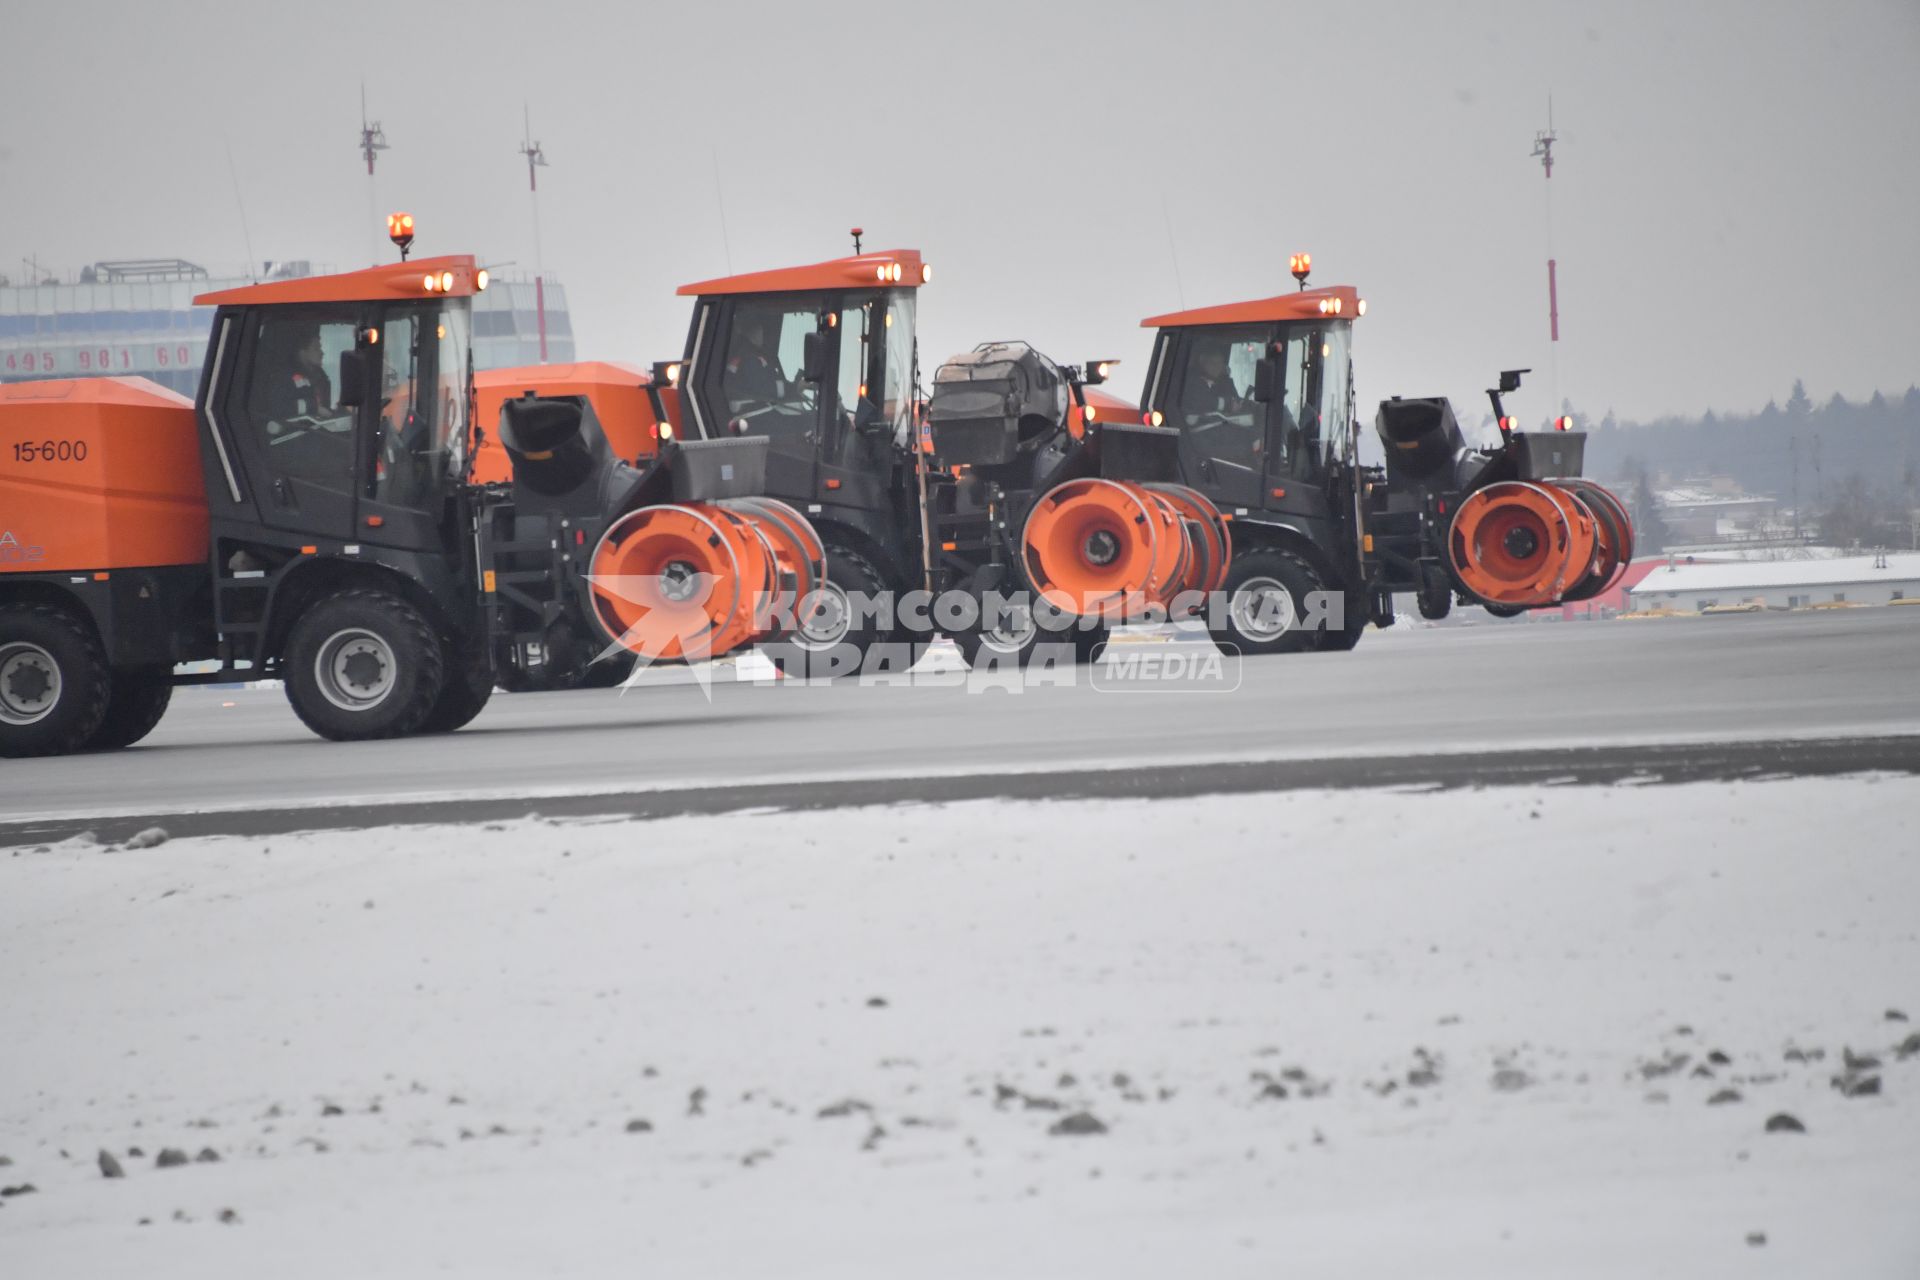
[(753, 371), (1210, 391), (301, 399)]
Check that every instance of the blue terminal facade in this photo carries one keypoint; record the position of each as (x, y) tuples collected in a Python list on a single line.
[(138, 319)]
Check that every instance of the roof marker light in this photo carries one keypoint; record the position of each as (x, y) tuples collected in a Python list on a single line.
[(481, 280), (431, 282), (1360, 307), (926, 274), (446, 282)]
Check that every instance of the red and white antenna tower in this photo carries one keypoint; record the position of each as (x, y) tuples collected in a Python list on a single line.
[(1543, 149)]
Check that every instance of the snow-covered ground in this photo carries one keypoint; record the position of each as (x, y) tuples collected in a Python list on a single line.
[(1460, 1034)]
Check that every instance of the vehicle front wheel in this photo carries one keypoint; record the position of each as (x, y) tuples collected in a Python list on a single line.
[(1270, 595), (1017, 637), (837, 625), (54, 681), (363, 664)]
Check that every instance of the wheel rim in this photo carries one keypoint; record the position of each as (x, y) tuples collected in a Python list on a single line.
[(1012, 631), (29, 683), (1262, 609), (355, 669), (828, 619)]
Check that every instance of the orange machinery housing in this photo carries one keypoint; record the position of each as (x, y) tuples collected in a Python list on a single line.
[(103, 474), (619, 394)]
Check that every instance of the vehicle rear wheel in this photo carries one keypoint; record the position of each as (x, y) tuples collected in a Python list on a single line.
[(1268, 594), (54, 681), (363, 664), (834, 631), (139, 698), (465, 690)]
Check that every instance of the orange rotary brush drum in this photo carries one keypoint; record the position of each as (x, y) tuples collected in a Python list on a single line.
[(1522, 544)]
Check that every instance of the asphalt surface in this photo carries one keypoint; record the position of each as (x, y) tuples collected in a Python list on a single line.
[(1505, 702)]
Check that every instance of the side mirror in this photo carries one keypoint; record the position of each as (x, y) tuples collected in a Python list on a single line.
[(813, 357), (357, 371), (1263, 380), (1510, 379)]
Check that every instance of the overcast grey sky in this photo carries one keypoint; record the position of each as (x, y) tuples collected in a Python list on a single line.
[(1735, 200)]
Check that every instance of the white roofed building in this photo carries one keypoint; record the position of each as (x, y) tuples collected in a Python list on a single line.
[(1691, 587)]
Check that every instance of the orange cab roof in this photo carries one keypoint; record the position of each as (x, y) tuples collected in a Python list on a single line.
[(840, 273), (1303, 305), (585, 373), (374, 284)]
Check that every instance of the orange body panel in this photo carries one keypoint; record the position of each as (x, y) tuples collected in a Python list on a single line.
[(840, 273), (99, 474), (1304, 305), (375, 284), (1106, 407), (617, 392)]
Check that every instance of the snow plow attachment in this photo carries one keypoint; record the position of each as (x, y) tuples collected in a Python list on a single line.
[(1118, 550), (697, 580), (1529, 544)]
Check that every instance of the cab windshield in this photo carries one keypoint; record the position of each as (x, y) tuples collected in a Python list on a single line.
[(1313, 392), (898, 404), (876, 363), (424, 352)]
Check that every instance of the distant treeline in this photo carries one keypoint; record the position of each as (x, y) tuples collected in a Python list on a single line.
[(1785, 451)]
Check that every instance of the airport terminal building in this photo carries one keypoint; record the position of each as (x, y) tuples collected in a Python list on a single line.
[(1779, 584), (137, 318)]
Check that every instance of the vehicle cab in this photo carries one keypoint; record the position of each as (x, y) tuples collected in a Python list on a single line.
[(1262, 395), (336, 408), (821, 360)]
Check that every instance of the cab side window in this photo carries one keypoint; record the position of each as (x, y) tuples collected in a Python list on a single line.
[(290, 404), (1213, 385), (760, 377)]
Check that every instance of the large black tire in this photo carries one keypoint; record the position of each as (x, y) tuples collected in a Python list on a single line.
[(139, 698), (1063, 641), (54, 681), (1267, 592), (464, 691), (1358, 613), (363, 664), (831, 642)]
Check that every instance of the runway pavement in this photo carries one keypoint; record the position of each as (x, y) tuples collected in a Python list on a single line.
[(1499, 696)]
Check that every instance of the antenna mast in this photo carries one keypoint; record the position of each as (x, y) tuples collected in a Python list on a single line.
[(373, 140), (536, 160), (1543, 151)]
